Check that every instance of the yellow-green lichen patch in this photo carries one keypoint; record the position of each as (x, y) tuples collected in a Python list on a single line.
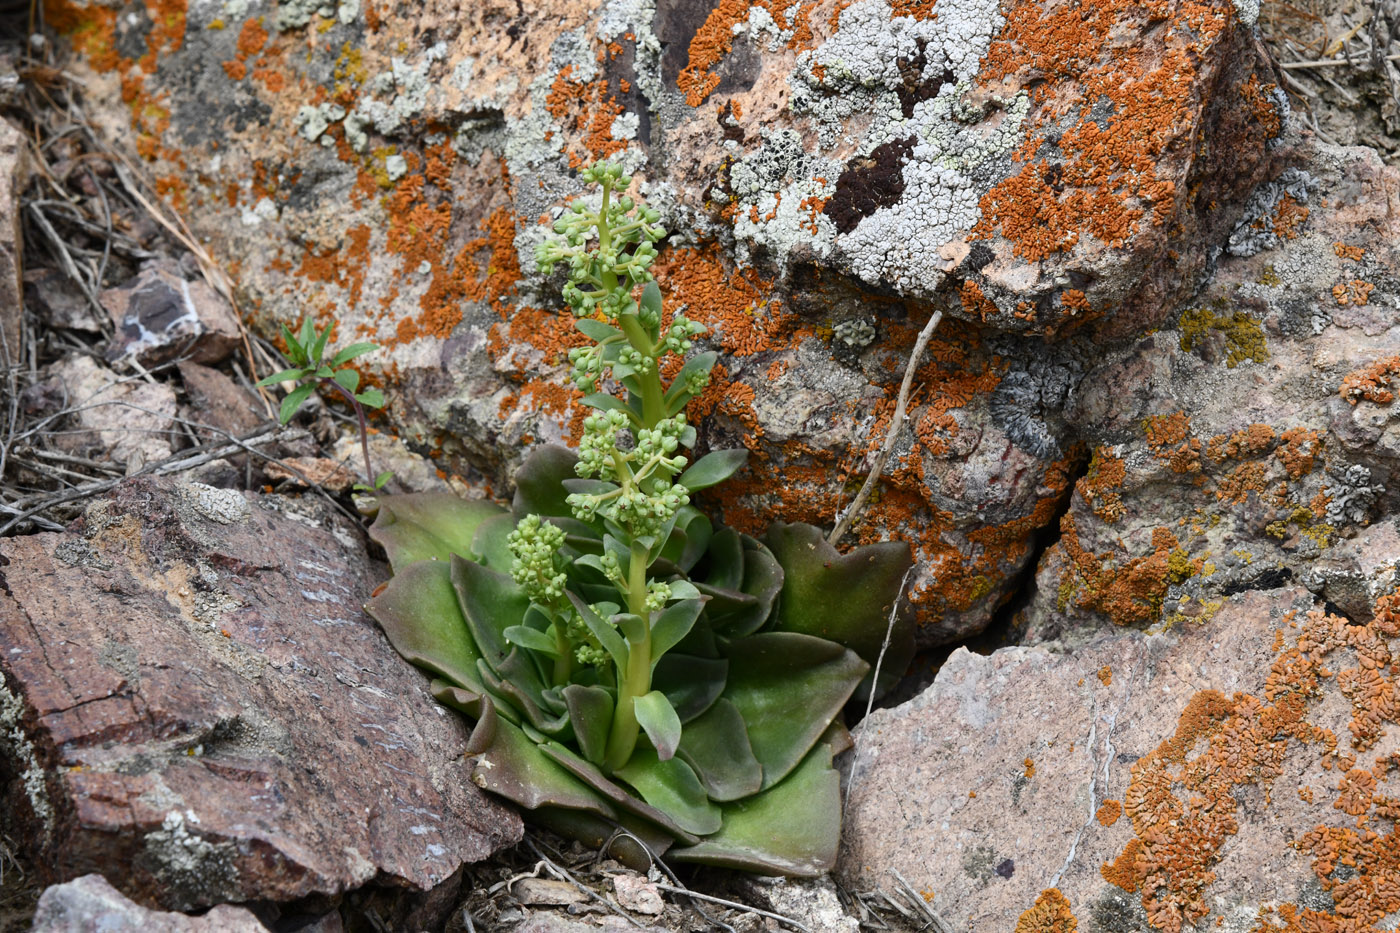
[(1244, 336)]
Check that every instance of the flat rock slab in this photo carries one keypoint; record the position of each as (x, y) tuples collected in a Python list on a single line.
[(1211, 778), (90, 904), (196, 706)]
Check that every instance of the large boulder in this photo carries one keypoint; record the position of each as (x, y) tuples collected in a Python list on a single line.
[(1235, 776), (1254, 441), (195, 706), (834, 173)]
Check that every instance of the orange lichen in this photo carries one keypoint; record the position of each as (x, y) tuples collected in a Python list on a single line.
[(1298, 451), (1051, 914), (1029, 768), (1343, 251), (1372, 383), (1106, 182), (1130, 594), (1100, 486), (1250, 441), (733, 304), (974, 301), (1356, 292), (1108, 812), (715, 37), (1182, 797), (1258, 98), (587, 111), (1105, 675), (91, 29), (1123, 871)]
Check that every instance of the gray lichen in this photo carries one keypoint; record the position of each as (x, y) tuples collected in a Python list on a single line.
[(1255, 233), (1027, 400), (187, 862), (857, 332), (21, 751), (1351, 495)]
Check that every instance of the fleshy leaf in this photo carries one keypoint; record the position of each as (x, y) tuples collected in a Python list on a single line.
[(791, 829), (531, 638), (713, 468), (672, 624), (650, 301), (490, 544), (616, 795), (672, 787), (735, 614), (789, 687), (846, 598), (602, 630), (516, 685), (539, 482), (420, 615), (428, 526), (479, 706), (518, 770), (659, 721), (725, 560), (492, 603), (691, 684), (596, 832), (590, 711), (717, 746)]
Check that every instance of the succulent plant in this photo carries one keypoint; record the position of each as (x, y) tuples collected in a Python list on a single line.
[(629, 664)]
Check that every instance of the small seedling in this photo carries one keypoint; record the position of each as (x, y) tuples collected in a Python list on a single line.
[(310, 370)]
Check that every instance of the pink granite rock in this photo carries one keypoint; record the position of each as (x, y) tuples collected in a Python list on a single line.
[(195, 706)]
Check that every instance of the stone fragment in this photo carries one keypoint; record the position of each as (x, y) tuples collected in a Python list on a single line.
[(547, 892), (813, 902), (218, 401), (161, 315), (195, 705), (90, 905), (130, 422), (334, 475), (637, 894), (58, 302), (1236, 762), (13, 177)]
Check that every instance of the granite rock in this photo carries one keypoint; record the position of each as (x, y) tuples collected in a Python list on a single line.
[(90, 905), (195, 706), (1211, 777), (833, 172)]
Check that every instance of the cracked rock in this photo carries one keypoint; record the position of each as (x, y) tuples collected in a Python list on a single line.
[(195, 705)]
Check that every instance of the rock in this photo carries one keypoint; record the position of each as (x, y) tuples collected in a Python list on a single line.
[(90, 905), (14, 175), (1248, 444), (160, 315), (813, 902), (129, 422), (1210, 777), (534, 892), (195, 705), (218, 401), (58, 302), (833, 177), (637, 894)]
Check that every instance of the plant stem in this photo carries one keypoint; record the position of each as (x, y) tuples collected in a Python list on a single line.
[(636, 680), (364, 427), (564, 664), (653, 397)]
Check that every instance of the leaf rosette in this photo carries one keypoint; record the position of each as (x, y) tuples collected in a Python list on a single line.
[(628, 663)]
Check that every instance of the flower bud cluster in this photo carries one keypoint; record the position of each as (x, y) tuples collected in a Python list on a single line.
[(587, 648), (658, 594), (603, 433), (602, 274), (677, 337), (535, 546)]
